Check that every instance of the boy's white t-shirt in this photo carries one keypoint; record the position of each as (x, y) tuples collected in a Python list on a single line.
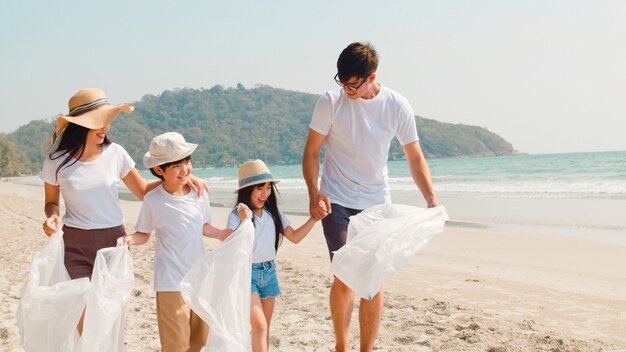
[(177, 222), (264, 234), (358, 136), (90, 189)]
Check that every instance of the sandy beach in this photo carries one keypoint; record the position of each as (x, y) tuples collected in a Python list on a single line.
[(470, 289)]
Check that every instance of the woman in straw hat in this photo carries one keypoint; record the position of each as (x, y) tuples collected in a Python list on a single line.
[(257, 190), (85, 167)]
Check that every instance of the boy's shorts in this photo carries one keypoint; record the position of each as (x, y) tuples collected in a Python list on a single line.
[(180, 329), (264, 280), (335, 227)]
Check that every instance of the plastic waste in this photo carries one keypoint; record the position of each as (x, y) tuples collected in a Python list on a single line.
[(217, 289), (381, 240), (51, 303), (112, 282)]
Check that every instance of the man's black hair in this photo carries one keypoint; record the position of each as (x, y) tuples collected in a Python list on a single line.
[(357, 60)]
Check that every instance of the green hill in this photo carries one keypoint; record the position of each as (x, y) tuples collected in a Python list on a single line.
[(233, 125)]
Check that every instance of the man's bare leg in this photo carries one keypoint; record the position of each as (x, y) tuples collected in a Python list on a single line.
[(341, 304), (370, 313)]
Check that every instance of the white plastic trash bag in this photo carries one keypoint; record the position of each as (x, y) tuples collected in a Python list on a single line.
[(50, 303), (112, 282), (381, 240), (217, 289)]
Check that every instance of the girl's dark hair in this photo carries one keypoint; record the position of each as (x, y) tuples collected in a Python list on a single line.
[(166, 165), (243, 196), (72, 144)]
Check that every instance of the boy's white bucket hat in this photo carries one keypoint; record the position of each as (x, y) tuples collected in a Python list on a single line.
[(254, 172), (166, 148)]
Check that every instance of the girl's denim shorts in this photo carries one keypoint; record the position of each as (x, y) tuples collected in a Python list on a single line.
[(264, 280)]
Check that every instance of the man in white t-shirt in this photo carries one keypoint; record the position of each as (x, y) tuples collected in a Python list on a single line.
[(357, 124)]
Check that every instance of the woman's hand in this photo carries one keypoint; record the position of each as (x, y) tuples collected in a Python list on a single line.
[(52, 225), (197, 185)]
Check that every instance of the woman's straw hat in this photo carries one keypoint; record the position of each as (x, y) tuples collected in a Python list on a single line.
[(90, 108), (254, 172), (166, 148)]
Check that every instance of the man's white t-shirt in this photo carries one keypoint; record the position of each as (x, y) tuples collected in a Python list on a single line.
[(264, 234), (90, 189), (177, 222), (358, 136)]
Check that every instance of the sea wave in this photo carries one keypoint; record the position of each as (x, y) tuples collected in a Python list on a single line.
[(525, 189)]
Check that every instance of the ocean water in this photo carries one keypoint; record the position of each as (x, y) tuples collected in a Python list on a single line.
[(601, 174), (575, 195), (578, 195)]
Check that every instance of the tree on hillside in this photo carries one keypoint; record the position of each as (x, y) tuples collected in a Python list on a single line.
[(10, 164), (235, 124), (32, 140)]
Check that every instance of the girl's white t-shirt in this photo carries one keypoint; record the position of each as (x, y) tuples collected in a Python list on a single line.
[(358, 136), (177, 222), (90, 189), (264, 234)]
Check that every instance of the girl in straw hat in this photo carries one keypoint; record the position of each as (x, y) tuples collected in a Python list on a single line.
[(85, 167), (258, 191)]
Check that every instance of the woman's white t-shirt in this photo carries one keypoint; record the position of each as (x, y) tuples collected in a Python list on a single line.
[(264, 234), (177, 222), (90, 189), (358, 135)]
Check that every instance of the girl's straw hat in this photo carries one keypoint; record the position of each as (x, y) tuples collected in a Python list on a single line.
[(254, 172), (90, 108), (166, 148)]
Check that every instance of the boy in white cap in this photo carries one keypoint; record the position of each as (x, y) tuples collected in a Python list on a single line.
[(180, 218)]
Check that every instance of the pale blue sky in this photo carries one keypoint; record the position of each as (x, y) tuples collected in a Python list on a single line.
[(549, 76)]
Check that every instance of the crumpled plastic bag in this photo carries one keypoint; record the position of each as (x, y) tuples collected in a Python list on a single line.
[(217, 289), (381, 241), (112, 282), (51, 303)]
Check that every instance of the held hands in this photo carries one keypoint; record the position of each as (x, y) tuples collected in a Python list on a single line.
[(319, 206), (323, 207), (52, 225)]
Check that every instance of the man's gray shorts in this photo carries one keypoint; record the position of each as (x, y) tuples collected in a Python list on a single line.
[(335, 227)]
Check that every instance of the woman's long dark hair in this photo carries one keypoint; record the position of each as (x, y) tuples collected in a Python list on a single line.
[(243, 196), (71, 144)]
